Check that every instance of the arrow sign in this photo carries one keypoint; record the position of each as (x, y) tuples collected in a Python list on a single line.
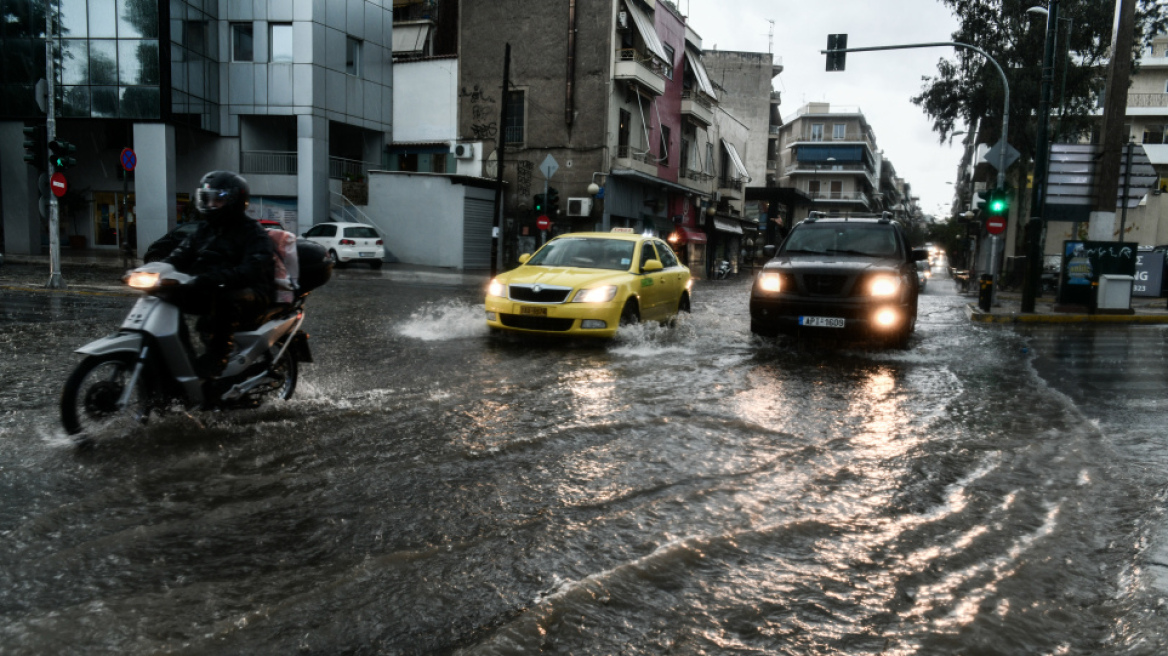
[(549, 167)]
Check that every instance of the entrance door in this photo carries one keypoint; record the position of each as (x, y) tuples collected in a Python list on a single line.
[(113, 219)]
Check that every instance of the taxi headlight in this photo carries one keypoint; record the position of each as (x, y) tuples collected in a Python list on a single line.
[(770, 282), (142, 280), (497, 288), (884, 286), (596, 295)]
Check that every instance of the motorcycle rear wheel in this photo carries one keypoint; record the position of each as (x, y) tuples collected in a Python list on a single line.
[(90, 396)]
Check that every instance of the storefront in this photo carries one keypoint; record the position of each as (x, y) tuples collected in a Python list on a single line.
[(113, 219)]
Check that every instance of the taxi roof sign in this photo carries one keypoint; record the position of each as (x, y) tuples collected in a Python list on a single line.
[(624, 230)]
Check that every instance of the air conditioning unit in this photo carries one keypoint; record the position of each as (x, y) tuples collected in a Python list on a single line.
[(622, 20), (717, 197), (464, 151), (579, 207)]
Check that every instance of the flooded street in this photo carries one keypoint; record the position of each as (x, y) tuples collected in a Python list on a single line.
[(432, 489)]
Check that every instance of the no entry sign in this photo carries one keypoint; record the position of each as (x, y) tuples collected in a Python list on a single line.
[(543, 223), (58, 184), (996, 225)]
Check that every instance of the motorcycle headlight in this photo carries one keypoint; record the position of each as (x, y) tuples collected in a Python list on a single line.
[(142, 280), (769, 281), (884, 286), (596, 295), (497, 288)]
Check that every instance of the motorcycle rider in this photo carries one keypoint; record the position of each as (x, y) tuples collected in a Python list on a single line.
[(232, 259)]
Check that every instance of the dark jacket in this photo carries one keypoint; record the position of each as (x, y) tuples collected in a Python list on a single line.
[(234, 254)]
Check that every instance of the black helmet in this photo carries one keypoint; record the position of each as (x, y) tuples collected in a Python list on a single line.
[(222, 194)]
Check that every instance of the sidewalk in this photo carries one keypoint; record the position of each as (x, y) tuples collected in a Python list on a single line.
[(1008, 309), (100, 271)]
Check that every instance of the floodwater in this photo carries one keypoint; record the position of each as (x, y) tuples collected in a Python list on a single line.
[(685, 490)]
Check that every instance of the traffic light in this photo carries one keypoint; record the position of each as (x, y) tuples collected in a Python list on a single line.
[(35, 148), (979, 202), (62, 154), (553, 202), (998, 203), (835, 60), (539, 203)]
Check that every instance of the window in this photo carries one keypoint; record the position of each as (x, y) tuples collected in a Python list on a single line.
[(839, 131), (280, 42), (668, 64), (322, 231), (241, 42), (817, 132), (513, 131), (709, 158), (665, 141), (622, 135), (353, 56), (438, 163), (647, 253), (813, 188), (667, 258), (837, 189)]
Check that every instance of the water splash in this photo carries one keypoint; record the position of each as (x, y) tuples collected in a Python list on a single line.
[(445, 321)]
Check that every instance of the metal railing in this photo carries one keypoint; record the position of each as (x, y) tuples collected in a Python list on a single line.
[(837, 195), (777, 96), (775, 129), (729, 183), (803, 167), (513, 134), (634, 152), (848, 136), (340, 168), (269, 162), (653, 64), (699, 98)]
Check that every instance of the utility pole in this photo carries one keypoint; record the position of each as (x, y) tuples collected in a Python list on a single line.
[(1114, 115), (1035, 228), (497, 230), (55, 281)]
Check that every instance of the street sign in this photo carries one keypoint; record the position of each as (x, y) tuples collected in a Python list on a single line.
[(129, 159), (1070, 190), (994, 155), (543, 223), (58, 184), (996, 225), (549, 167)]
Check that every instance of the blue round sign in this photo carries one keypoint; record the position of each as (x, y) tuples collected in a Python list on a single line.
[(129, 159)]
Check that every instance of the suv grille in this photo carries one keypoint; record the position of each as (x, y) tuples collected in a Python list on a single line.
[(544, 295), (824, 284)]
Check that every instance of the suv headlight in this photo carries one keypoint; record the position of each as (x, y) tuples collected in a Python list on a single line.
[(497, 288), (884, 286), (596, 295), (770, 281)]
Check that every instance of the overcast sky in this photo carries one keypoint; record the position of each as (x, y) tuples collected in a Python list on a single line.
[(879, 83)]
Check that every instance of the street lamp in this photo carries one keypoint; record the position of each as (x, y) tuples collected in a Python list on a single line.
[(1041, 11), (1034, 228)]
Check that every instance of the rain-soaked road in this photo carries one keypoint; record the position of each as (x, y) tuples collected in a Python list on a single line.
[(693, 490)]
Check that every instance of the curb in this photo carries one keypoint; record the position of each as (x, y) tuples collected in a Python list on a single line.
[(976, 315)]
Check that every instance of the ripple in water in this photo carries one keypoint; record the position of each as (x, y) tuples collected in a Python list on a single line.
[(446, 321)]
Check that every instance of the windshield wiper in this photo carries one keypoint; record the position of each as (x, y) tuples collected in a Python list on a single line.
[(801, 250), (853, 252)]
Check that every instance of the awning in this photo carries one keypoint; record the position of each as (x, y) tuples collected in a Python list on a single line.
[(699, 71), (651, 180), (1157, 153), (648, 34), (738, 165), (683, 235), (726, 225), (410, 38)]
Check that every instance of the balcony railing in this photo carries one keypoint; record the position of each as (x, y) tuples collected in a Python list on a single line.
[(699, 98), (730, 183), (637, 67), (269, 162), (513, 134), (806, 167), (775, 130), (777, 97), (634, 153), (341, 168), (1147, 100), (696, 176), (848, 136), (837, 195)]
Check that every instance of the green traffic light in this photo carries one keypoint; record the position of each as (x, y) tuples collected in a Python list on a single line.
[(998, 205)]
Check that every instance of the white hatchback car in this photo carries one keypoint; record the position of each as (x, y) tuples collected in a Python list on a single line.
[(349, 242)]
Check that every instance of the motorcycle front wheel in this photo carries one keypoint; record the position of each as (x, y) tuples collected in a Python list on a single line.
[(89, 401)]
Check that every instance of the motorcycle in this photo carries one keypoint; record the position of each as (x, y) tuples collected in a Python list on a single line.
[(721, 270), (147, 367)]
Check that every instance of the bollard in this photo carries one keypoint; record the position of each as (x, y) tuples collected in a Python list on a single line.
[(986, 292)]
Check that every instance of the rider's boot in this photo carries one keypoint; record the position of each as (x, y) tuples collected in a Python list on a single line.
[(212, 363)]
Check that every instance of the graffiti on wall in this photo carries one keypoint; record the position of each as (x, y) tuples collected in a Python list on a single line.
[(525, 169), (481, 109)]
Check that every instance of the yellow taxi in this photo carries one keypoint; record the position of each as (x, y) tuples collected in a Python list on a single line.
[(587, 284)]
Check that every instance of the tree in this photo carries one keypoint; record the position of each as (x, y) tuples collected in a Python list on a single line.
[(970, 89)]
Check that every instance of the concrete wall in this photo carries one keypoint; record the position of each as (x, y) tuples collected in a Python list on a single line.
[(743, 82), (426, 100), (420, 215)]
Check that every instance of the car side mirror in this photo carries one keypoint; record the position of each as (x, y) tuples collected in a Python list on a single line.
[(524, 258), (651, 266), (919, 254), (769, 251)]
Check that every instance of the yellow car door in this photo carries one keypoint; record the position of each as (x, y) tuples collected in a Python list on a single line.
[(674, 277), (653, 287)]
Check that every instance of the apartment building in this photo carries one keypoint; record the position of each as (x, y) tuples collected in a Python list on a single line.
[(829, 154), (295, 95)]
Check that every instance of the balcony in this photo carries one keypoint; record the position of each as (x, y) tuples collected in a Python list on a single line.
[(730, 188), (697, 180), (341, 168), (838, 197), (632, 157), (777, 97), (268, 162), (807, 168), (774, 130), (697, 107), (1147, 100), (639, 69)]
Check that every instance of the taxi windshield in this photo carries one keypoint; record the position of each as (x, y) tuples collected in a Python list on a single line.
[(843, 239), (616, 254)]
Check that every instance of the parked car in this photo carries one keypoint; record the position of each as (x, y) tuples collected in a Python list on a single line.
[(588, 284), (349, 242), (837, 276), (170, 241)]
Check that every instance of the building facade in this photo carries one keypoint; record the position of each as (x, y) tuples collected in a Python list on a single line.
[(829, 154), (295, 94)]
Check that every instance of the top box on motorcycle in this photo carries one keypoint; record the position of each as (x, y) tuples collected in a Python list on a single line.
[(316, 268)]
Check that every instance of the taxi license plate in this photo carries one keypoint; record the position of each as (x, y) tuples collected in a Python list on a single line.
[(366, 254), (822, 322), (533, 311)]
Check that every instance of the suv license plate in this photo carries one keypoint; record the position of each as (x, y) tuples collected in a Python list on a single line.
[(533, 311), (822, 322)]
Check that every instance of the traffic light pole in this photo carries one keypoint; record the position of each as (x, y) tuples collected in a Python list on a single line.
[(1036, 227), (497, 231), (55, 281)]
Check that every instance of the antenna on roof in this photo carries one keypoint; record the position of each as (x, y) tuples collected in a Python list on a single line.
[(771, 37)]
